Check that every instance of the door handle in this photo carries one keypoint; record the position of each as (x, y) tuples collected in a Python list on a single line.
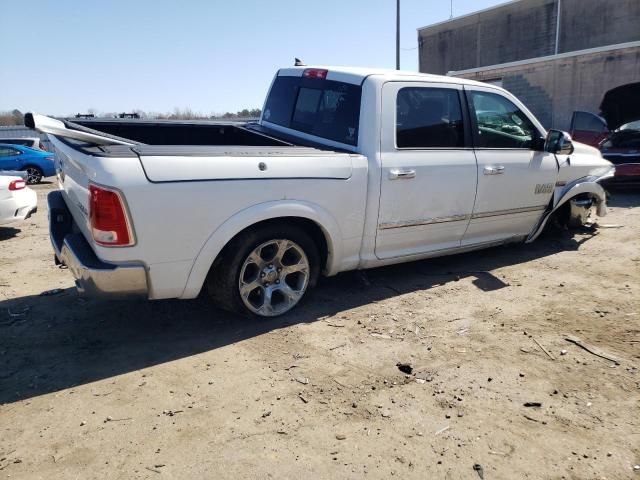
[(398, 174), (498, 170)]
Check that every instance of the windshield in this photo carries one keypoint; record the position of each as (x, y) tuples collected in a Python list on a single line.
[(324, 108), (635, 125)]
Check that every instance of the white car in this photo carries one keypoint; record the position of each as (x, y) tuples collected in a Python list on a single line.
[(17, 201), (31, 142), (348, 168)]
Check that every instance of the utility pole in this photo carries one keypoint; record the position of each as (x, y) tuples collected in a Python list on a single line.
[(397, 34), (558, 25)]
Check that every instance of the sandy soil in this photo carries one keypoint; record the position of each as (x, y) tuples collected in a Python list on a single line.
[(178, 389)]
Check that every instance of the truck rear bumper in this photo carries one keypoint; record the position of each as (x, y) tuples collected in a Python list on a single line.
[(94, 277)]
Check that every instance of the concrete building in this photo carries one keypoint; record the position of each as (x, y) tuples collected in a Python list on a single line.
[(557, 56)]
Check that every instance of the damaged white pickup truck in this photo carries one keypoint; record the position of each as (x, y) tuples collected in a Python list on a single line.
[(347, 169)]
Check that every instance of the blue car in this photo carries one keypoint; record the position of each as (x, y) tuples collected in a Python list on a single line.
[(36, 163)]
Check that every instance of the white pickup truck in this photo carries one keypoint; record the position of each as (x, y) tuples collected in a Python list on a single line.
[(347, 169)]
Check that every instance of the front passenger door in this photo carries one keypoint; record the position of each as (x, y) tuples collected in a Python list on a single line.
[(9, 158), (516, 178)]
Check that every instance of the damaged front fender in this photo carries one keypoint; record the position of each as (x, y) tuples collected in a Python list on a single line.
[(585, 187)]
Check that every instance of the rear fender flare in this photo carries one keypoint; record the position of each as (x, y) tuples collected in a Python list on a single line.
[(253, 215), (588, 186)]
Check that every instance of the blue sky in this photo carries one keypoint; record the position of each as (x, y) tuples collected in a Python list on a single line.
[(66, 56)]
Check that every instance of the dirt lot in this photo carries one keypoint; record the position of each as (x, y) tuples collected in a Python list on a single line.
[(177, 389)]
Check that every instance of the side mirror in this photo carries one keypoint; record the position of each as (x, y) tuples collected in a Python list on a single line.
[(558, 142)]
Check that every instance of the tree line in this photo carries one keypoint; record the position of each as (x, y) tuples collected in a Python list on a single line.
[(13, 117), (16, 117)]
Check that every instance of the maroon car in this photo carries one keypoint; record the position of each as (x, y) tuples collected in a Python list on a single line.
[(622, 148), (616, 132)]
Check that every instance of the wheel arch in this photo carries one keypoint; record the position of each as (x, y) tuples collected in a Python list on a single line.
[(32, 165), (319, 223)]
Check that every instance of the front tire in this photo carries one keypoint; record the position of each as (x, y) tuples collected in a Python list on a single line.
[(265, 272), (34, 175)]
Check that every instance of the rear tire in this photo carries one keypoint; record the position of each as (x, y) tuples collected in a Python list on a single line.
[(265, 271), (34, 175)]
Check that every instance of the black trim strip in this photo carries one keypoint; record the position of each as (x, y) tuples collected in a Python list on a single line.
[(239, 179)]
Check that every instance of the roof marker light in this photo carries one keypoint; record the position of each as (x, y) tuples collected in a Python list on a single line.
[(315, 73)]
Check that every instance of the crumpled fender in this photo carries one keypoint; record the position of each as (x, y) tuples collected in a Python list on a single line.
[(585, 185)]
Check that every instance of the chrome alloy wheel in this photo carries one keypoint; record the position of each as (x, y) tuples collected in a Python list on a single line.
[(274, 277), (33, 175)]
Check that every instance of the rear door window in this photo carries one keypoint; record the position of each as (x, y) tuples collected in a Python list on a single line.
[(429, 118), (324, 108)]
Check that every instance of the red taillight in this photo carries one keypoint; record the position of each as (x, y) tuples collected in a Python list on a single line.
[(315, 73), (109, 224), (17, 185)]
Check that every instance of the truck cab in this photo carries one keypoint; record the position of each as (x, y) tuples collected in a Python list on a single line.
[(454, 163)]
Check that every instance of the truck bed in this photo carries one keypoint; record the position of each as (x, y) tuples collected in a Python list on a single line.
[(175, 132), (205, 150)]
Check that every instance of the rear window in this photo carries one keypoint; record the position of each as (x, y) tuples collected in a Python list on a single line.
[(16, 141), (324, 108)]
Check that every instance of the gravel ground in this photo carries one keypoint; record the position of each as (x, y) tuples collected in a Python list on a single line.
[(178, 389)]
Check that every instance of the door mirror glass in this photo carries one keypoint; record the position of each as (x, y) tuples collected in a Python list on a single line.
[(558, 142)]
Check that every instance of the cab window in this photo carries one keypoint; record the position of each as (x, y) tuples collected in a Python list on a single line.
[(429, 118), (500, 124), (325, 108)]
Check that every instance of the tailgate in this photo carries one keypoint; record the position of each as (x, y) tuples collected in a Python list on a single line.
[(74, 170), (75, 164)]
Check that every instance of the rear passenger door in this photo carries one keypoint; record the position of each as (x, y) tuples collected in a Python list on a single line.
[(516, 178), (429, 174)]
